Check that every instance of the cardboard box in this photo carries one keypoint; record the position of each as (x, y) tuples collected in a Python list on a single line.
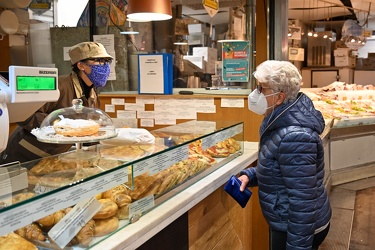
[(340, 52), (209, 55), (345, 61), (198, 28)]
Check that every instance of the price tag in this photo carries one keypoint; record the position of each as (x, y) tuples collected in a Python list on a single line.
[(142, 205), (68, 227)]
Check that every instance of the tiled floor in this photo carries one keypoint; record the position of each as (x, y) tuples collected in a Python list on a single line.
[(353, 216)]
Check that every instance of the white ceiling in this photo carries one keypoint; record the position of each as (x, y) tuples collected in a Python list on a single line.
[(304, 10)]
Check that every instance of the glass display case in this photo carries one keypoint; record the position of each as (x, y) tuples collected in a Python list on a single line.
[(75, 201)]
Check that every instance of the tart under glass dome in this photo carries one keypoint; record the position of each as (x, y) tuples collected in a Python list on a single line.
[(78, 112)]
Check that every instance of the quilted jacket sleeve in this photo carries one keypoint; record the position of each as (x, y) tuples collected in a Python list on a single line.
[(251, 174), (297, 156)]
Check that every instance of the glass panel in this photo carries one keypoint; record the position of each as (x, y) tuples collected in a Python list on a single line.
[(144, 174)]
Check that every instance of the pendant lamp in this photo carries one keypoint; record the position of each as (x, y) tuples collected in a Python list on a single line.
[(149, 10)]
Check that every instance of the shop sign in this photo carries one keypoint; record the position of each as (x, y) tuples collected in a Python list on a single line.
[(40, 6)]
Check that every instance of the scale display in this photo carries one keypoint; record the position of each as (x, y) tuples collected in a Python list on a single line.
[(35, 83)]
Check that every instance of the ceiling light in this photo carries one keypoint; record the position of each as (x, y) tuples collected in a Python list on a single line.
[(310, 33), (150, 10), (229, 40), (137, 21), (129, 32)]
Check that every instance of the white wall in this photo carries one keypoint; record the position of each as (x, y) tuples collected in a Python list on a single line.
[(368, 48), (69, 11)]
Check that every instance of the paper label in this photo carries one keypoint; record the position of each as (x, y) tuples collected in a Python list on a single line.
[(142, 205), (68, 227)]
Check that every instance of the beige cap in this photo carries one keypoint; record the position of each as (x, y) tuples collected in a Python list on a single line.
[(87, 50)]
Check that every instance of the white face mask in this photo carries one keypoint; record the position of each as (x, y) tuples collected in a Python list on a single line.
[(258, 102)]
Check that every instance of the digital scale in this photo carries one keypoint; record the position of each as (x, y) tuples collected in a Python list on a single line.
[(27, 89)]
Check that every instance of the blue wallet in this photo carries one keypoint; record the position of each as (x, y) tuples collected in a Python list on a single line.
[(233, 189)]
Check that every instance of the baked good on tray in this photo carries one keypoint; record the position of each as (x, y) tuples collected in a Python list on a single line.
[(76, 127)]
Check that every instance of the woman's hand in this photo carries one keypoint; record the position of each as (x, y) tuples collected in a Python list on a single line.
[(244, 179)]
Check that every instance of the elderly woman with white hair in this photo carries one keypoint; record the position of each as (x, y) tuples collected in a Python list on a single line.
[(290, 169)]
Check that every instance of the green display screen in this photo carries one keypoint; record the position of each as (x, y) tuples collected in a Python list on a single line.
[(34, 83)]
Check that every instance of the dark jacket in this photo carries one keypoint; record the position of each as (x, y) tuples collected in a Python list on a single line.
[(290, 172), (23, 146)]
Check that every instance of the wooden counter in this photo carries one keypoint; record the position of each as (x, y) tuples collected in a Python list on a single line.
[(214, 218)]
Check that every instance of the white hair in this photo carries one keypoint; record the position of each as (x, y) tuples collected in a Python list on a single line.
[(280, 76)]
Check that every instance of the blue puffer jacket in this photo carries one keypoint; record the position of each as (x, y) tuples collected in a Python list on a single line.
[(290, 172)]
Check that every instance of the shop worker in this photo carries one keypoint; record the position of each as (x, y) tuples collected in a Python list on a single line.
[(90, 70), (290, 169)]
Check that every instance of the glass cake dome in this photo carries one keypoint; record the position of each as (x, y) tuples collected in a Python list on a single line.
[(76, 124)]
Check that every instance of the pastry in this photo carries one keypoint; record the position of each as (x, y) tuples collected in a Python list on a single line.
[(125, 152), (145, 185), (31, 232), (66, 177), (123, 212), (218, 152), (13, 241), (109, 208), (118, 195), (106, 226), (54, 164), (76, 127), (50, 220), (22, 196), (168, 180), (86, 234)]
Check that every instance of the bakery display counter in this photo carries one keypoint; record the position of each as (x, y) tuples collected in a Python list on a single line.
[(136, 234), (82, 197)]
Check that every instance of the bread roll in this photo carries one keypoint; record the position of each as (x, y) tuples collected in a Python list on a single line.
[(106, 226)]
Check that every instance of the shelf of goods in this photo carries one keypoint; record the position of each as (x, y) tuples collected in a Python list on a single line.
[(349, 110), (80, 198), (345, 104)]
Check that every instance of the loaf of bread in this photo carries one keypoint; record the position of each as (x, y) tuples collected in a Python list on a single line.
[(76, 127)]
